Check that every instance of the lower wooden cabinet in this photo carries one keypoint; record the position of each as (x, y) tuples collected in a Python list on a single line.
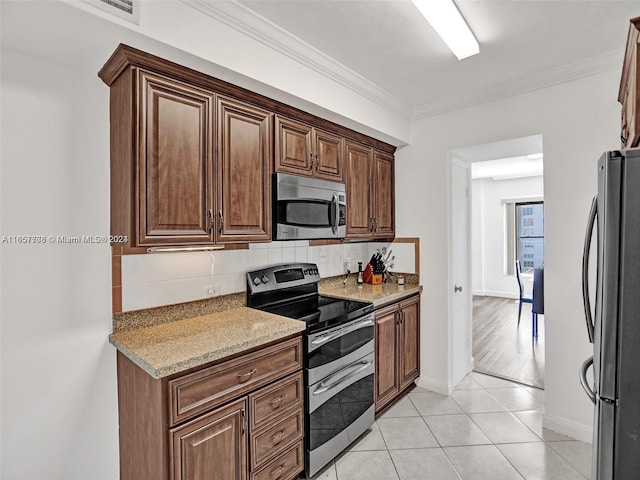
[(397, 338), (212, 447), (238, 419)]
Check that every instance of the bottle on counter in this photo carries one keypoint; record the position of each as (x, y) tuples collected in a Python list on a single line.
[(360, 274)]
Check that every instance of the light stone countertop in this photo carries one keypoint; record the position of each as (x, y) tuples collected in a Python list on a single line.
[(377, 294), (163, 350)]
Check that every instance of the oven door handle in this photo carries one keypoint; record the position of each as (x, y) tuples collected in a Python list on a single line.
[(339, 333), (348, 372)]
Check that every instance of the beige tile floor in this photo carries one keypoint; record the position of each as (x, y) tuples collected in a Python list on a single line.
[(488, 429)]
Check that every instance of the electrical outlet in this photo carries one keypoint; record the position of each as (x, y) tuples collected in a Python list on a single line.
[(210, 291)]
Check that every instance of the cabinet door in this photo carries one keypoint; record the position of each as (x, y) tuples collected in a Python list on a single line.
[(214, 447), (409, 341), (383, 181), (359, 214), (243, 163), (293, 147), (175, 162), (328, 150), (386, 341)]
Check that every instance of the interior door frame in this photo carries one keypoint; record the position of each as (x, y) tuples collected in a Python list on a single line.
[(455, 376)]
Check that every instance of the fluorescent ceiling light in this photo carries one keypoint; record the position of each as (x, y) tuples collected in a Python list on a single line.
[(446, 20)]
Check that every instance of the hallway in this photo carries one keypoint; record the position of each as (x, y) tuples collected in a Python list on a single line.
[(503, 349)]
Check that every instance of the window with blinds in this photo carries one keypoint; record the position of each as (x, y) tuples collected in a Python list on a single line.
[(524, 235)]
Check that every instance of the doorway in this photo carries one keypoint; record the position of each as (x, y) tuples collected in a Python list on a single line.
[(503, 174)]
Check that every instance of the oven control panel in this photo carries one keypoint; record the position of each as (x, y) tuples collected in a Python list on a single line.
[(277, 277)]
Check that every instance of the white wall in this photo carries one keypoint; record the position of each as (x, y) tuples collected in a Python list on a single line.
[(488, 233), (59, 405), (578, 121)]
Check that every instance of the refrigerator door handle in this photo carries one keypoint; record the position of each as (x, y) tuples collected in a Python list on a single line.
[(583, 379), (593, 213)]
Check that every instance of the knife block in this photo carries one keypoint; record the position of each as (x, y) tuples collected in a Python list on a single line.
[(371, 278)]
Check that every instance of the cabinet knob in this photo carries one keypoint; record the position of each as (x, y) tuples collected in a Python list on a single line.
[(221, 221), (457, 288)]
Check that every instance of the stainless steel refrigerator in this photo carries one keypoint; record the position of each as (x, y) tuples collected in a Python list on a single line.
[(614, 327)]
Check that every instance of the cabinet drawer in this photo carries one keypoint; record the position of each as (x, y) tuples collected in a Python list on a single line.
[(271, 401), (275, 439), (286, 467), (202, 390)]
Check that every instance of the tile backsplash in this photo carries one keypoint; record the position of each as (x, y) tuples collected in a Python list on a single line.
[(151, 280)]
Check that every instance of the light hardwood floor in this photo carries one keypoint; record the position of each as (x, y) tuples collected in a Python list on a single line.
[(503, 349)]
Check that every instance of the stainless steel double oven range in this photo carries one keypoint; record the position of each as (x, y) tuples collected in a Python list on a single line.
[(338, 357)]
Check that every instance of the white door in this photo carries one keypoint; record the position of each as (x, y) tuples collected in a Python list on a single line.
[(461, 359)]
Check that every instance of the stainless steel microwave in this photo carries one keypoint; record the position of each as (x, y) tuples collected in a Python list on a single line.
[(308, 208)]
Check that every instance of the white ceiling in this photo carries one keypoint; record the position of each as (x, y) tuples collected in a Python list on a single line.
[(383, 49), (524, 45)]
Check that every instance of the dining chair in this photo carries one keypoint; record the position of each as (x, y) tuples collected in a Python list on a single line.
[(523, 298)]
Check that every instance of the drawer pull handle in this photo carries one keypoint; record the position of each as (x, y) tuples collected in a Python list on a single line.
[(278, 436), (243, 376), (276, 402), (278, 471)]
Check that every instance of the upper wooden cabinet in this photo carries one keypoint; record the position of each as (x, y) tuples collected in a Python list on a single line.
[(304, 150), (161, 160), (370, 193), (629, 92), (359, 190), (192, 156), (383, 195), (187, 166), (244, 159)]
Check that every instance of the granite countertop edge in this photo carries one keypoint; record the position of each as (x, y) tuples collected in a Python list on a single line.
[(142, 355), (379, 295)]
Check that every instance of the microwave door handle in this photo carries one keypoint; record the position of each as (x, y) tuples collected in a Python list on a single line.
[(591, 224), (336, 216)]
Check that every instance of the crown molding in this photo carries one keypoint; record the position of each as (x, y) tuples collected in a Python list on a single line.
[(246, 21), (521, 85)]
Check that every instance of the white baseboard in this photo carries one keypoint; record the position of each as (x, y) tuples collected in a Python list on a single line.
[(579, 431), (438, 386)]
